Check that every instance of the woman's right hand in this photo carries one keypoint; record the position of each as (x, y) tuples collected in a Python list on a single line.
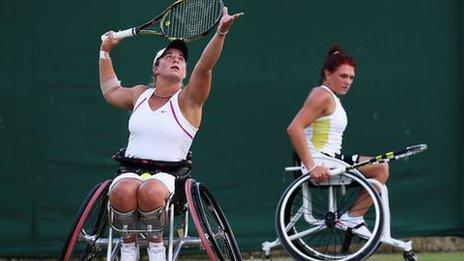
[(109, 42), (320, 173)]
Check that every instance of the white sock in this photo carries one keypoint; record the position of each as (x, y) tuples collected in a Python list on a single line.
[(156, 247), (130, 244)]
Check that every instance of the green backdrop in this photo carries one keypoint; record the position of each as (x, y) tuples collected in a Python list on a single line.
[(58, 134)]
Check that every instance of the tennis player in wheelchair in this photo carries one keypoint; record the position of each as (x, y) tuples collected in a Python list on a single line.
[(317, 130), (162, 126)]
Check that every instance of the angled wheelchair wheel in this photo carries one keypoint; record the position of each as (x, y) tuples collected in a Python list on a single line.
[(89, 225), (308, 219), (211, 224)]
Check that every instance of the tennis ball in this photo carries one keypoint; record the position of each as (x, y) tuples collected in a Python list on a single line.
[(145, 176)]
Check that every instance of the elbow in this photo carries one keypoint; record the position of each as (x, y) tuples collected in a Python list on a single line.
[(206, 72), (290, 130), (295, 129), (106, 97), (107, 94), (203, 68)]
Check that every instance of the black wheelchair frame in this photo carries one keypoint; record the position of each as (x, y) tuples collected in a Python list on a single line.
[(92, 230)]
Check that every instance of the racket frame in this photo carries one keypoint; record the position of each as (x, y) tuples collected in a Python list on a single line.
[(386, 157), (141, 29)]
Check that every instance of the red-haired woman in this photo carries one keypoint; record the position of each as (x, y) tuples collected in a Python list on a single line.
[(318, 128)]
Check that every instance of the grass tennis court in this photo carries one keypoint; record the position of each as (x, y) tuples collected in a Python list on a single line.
[(448, 256), (438, 256)]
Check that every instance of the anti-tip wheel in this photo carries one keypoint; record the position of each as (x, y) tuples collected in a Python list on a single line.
[(410, 256)]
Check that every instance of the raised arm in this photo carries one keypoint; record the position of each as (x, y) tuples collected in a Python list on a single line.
[(199, 85), (112, 90)]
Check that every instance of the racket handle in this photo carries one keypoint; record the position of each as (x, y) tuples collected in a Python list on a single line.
[(292, 168), (122, 34), (337, 171)]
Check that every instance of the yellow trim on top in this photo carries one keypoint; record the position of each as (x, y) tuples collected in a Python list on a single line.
[(320, 136)]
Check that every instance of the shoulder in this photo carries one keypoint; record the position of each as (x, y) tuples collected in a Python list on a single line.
[(319, 95), (186, 90), (138, 90), (187, 96), (319, 101)]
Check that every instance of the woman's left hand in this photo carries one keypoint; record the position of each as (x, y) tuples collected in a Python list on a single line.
[(227, 20)]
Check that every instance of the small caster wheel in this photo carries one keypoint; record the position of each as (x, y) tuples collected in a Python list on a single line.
[(410, 256)]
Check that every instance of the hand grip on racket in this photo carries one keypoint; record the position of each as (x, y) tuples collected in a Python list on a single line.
[(188, 20), (121, 34)]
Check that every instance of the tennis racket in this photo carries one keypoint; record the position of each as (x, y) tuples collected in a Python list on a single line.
[(188, 20), (386, 157)]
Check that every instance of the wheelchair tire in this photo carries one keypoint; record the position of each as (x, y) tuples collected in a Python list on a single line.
[(197, 219), (212, 224), (309, 227), (91, 222)]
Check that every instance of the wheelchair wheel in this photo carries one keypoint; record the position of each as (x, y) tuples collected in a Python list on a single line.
[(308, 219), (211, 224), (89, 225)]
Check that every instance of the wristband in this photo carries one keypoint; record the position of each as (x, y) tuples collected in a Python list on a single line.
[(312, 168), (222, 33), (104, 55)]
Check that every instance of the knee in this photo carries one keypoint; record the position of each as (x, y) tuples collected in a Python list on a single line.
[(123, 195), (383, 172), (152, 194)]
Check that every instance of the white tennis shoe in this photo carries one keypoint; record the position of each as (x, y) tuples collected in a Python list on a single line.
[(357, 224), (156, 251), (130, 252)]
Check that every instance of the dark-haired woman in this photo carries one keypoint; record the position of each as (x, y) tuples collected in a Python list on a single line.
[(318, 128)]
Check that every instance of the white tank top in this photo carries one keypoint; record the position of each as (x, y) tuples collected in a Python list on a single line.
[(325, 134), (163, 134)]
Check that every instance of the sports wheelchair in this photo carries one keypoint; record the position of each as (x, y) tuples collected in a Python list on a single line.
[(308, 216), (93, 229)]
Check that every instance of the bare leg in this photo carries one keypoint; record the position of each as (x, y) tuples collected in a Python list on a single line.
[(379, 172)]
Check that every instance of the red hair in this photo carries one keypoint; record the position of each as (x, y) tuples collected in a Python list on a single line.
[(335, 58)]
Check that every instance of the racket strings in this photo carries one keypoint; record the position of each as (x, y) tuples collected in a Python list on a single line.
[(191, 18)]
